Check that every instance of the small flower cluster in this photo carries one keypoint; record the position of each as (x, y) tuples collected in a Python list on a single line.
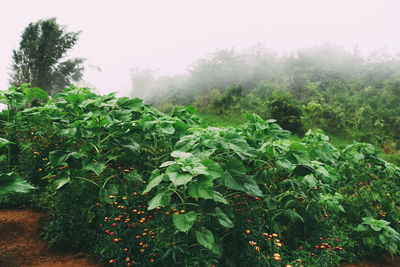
[(129, 227)]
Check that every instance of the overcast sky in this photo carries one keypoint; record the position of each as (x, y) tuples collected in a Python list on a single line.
[(168, 35)]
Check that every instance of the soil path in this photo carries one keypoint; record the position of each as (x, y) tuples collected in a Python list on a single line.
[(21, 244), (382, 262)]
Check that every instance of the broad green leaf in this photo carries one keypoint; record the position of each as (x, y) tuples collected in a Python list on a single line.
[(18, 100), (235, 167), (61, 182), (205, 238), (285, 165), (358, 157), (74, 98), (67, 132), (76, 155), (202, 188), (323, 154), (176, 176), (133, 104), (96, 167), (167, 128), (384, 239), (309, 180), (4, 142), (361, 228), (166, 164), (185, 221), (12, 182), (322, 171), (391, 247), (252, 189), (199, 169), (186, 143), (214, 170), (180, 154), (39, 93), (300, 152), (154, 181), (223, 219), (57, 157), (239, 146), (375, 228), (135, 147), (161, 199), (218, 197), (341, 208), (230, 182)]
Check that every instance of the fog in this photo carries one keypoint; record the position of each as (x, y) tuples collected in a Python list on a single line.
[(169, 36)]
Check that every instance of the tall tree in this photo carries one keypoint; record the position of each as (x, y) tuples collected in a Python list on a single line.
[(39, 59)]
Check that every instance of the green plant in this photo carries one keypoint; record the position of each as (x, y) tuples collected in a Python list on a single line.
[(136, 186), (378, 234)]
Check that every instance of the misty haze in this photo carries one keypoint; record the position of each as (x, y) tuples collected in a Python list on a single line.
[(200, 133)]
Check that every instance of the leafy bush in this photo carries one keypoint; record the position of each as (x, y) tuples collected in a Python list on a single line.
[(136, 186)]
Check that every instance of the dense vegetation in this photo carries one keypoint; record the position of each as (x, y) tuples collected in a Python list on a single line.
[(136, 186), (343, 93)]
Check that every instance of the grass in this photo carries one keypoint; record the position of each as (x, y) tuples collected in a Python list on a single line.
[(393, 158), (340, 141), (223, 120)]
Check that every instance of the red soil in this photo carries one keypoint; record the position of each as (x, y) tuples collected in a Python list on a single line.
[(21, 244), (384, 261)]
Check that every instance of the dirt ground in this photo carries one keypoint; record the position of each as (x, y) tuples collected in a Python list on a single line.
[(21, 244), (381, 262)]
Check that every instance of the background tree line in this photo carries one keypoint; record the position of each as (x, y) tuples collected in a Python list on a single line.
[(344, 93)]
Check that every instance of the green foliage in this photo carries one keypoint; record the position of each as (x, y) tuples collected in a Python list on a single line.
[(282, 107), (378, 233), (229, 100), (11, 182), (134, 185), (326, 87), (38, 59)]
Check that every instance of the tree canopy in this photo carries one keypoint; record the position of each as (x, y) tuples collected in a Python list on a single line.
[(40, 59)]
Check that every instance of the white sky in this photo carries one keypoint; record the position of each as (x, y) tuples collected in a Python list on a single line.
[(171, 34)]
